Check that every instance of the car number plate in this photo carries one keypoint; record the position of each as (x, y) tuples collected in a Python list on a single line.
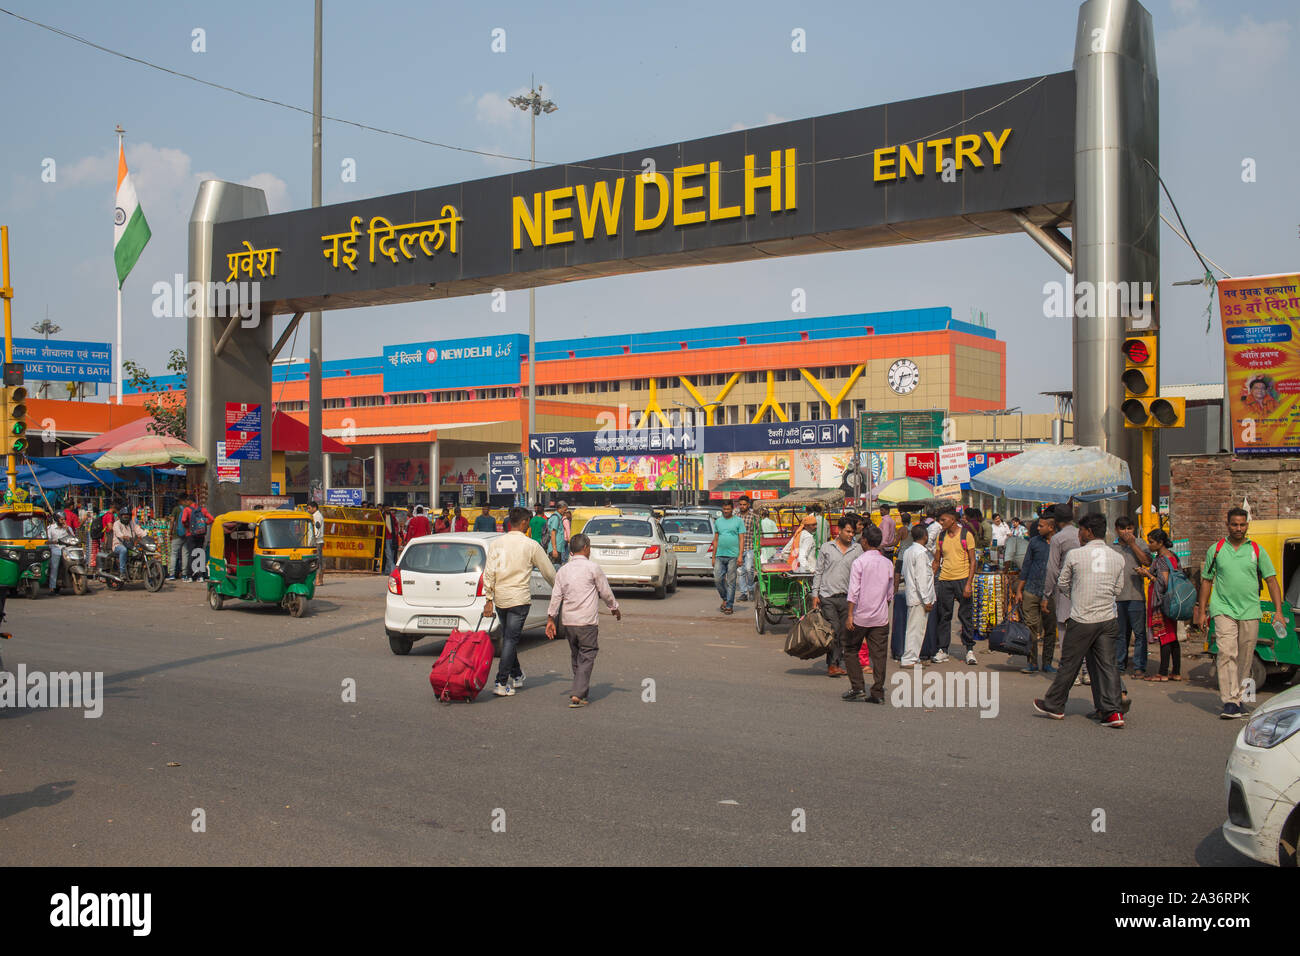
[(616, 554), (425, 620), (684, 547)]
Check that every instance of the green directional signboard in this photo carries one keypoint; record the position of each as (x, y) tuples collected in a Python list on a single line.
[(901, 431)]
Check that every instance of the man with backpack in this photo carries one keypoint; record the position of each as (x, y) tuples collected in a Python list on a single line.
[(196, 521), (1231, 576), (178, 564)]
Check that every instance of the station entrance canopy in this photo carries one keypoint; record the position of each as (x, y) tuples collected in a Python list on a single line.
[(969, 163), (1078, 149)]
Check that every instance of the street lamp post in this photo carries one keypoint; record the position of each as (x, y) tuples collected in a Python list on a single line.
[(46, 328), (695, 491), (534, 104)]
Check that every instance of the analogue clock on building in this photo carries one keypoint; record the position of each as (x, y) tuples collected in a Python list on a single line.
[(904, 376)]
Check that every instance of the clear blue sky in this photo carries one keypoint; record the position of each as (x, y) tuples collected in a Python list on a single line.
[(625, 76)]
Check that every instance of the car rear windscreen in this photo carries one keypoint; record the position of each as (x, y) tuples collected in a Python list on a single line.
[(687, 526), (443, 557), (622, 527)]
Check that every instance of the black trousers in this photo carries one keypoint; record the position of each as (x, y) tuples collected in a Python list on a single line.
[(1096, 643), (947, 592), (835, 608)]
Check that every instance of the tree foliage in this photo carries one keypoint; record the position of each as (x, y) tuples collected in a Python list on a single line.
[(166, 406)]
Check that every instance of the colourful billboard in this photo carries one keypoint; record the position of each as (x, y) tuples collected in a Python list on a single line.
[(1259, 315), (609, 473)]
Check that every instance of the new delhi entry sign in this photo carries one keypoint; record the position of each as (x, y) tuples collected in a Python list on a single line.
[(940, 167)]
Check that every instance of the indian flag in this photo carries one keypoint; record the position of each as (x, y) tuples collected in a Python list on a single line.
[(130, 231)]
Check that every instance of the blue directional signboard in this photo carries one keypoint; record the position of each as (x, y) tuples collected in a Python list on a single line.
[(777, 436), (506, 473), (54, 360), (345, 496)]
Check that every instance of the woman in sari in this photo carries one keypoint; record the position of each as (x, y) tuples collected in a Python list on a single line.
[(1163, 628)]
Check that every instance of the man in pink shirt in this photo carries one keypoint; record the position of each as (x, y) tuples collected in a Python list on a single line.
[(579, 586), (871, 592)]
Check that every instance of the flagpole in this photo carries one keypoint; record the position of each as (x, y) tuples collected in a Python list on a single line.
[(117, 364)]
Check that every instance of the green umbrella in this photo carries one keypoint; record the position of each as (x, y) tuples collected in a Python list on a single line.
[(903, 489), (150, 451)]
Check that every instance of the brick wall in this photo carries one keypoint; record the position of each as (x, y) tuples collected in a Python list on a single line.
[(1203, 487)]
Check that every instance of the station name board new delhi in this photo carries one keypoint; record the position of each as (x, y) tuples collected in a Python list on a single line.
[(694, 192), (972, 162)]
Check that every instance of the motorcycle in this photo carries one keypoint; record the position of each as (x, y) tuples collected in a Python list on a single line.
[(142, 564), (72, 569)]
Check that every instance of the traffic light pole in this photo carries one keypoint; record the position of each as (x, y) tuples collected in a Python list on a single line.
[(7, 292), (1148, 520)]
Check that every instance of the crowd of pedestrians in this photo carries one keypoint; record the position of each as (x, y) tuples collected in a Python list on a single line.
[(1097, 597)]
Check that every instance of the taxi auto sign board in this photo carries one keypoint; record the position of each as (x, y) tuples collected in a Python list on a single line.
[(775, 436), (243, 431)]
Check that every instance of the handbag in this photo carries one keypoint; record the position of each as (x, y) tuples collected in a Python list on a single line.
[(810, 637), (1012, 636)]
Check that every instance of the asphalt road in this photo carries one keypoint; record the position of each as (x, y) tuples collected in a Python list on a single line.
[(240, 713)]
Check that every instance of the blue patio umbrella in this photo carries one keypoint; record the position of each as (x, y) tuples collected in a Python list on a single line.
[(1057, 473)]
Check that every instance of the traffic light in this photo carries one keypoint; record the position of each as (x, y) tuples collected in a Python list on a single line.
[(1143, 407), (14, 420)]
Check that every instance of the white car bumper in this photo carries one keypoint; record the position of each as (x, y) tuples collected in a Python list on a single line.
[(1261, 787)]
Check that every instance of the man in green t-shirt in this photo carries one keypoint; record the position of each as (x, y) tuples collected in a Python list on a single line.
[(1233, 569), (727, 532), (537, 526)]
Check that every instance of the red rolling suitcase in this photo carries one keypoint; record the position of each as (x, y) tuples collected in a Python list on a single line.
[(462, 668)]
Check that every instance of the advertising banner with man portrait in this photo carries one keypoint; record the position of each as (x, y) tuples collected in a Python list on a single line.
[(1260, 316)]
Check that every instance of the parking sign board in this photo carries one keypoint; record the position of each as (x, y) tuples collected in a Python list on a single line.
[(506, 473)]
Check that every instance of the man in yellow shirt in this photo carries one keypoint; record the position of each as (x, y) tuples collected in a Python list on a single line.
[(954, 564)]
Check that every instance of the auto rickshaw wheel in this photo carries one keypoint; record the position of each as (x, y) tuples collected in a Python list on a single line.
[(215, 598), (33, 588), (154, 576), (78, 583), (297, 605), (1258, 672)]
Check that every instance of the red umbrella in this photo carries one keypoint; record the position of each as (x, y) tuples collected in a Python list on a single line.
[(113, 437), (289, 434)]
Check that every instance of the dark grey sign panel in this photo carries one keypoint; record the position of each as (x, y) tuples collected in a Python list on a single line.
[(939, 167)]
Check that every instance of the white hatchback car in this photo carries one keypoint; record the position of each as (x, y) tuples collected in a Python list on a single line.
[(1262, 781), (437, 588)]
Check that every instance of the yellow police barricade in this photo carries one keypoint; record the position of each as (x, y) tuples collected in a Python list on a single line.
[(354, 538)]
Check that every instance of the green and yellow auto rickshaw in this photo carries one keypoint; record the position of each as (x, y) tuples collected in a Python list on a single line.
[(24, 548), (1275, 656), (262, 556)]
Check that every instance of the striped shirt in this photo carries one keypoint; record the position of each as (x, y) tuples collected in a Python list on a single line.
[(750, 518), (1092, 576)]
